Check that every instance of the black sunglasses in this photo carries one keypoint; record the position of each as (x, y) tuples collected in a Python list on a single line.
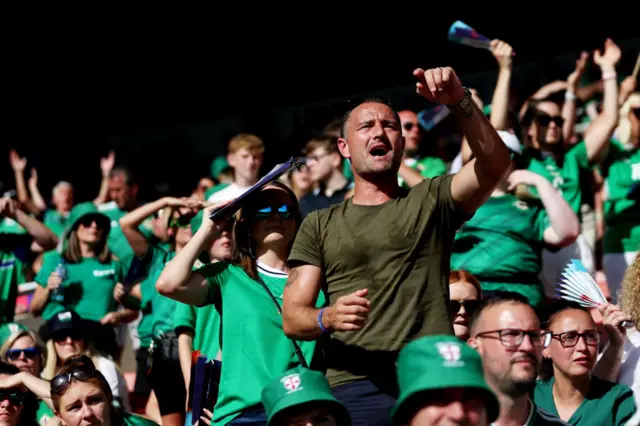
[(15, 397), (469, 305), (14, 354), (409, 126), (82, 373), (544, 120), (181, 221), (61, 336)]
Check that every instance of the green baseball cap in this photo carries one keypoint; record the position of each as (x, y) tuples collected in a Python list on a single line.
[(82, 210), (296, 387), (11, 329), (440, 362), (218, 165)]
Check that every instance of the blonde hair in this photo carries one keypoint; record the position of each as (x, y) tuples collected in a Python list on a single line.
[(623, 132), (247, 141), (12, 340), (53, 365), (630, 292)]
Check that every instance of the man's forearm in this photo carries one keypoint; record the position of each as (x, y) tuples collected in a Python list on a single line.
[(301, 323), (38, 230)]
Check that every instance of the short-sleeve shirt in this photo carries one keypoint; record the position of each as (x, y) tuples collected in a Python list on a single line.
[(204, 322), (400, 251), (606, 403), (15, 252), (503, 241), (254, 346), (88, 287), (621, 170), (56, 221), (564, 175), (429, 167)]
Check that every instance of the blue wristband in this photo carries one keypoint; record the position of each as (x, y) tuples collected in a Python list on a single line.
[(324, 330)]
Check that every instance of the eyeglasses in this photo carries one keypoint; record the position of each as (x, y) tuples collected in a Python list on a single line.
[(181, 221), (570, 338), (469, 305), (284, 211), (14, 354), (409, 126), (62, 381), (512, 338), (316, 158), (16, 398), (544, 120)]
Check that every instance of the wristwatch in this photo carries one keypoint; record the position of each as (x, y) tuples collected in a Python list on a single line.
[(463, 107)]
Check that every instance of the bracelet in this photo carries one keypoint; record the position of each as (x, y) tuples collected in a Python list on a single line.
[(569, 96), (324, 330), (609, 75)]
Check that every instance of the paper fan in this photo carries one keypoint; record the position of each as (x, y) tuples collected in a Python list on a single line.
[(577, 285)]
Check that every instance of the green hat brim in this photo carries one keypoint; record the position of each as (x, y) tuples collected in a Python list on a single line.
[(454, 381), (302, 398), (103, 221)]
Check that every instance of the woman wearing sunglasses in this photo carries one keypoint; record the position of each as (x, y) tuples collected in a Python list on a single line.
[(20, 347), (464, 297), (567, 388), (248, 295), (157, 358), (82, 278), (17, 406)]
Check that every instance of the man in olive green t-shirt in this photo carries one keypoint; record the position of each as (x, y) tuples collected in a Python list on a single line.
[(382, 257)]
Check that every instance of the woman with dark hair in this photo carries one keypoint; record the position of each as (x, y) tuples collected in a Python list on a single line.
[(82, 278), (248, 295), (568, 388)]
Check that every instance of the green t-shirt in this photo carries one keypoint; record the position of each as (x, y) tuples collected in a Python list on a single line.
[(254, 346), (157, 310), (429, 167), (14, 256), (118, 243), (502, 243), (88, 287), (44, 414), (539, 417), (564, 176), (621, 170), (204, 322), (135, 420), (399, 251), (607, 403), (55, 221)]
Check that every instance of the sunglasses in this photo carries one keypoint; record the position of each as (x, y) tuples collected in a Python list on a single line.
[(544, 120), (16, 398), (62, 336), (14, 354), (181, 221), (469, 305), (62, 381), (284, 211), (409, 126)]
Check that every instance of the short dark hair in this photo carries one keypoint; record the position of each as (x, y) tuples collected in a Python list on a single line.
[(129, 177), (493, 301), (353, 104)]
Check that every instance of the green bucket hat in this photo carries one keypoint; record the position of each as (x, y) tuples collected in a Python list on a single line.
[(296, 387), (11, 329), (440, 362), (81, 210)]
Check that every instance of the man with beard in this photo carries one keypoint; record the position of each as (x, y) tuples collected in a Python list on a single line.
[(382, 256), (506, 333)]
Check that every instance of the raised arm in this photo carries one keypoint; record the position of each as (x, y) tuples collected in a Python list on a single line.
[(42, 235), (106, 165), (500, 102), (473, 184), (569, 106), (36, 196)]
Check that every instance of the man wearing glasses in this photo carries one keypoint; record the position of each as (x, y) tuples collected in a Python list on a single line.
[(428, 166), (507, 335)]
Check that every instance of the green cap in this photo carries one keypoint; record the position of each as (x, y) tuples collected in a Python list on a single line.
[(300, 386), (196, 222), (218, 165), (11, 329), (85, 209), (440, 362)]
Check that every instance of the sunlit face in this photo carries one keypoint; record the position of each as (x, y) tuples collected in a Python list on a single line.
[(9, 410), (451, 407), (546, 128), (222, 248), (508, 370), (68, 344), (122, 193), (84, 404), (301, 178), (579, 360), (373, 141), (203, 186), (28, 360), (246, 164), (89, 230), (182, 233), (321, 164), (63, 198), (411, 131), (276, 228), (462, 291)]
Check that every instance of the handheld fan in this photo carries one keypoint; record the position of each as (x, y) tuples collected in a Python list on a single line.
[(577, 285), (459, 32)]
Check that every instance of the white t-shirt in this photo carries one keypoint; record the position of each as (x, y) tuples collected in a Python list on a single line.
[(116, 381), (231, 192)]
